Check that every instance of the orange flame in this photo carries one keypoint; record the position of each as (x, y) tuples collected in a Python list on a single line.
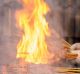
[(32, 47)]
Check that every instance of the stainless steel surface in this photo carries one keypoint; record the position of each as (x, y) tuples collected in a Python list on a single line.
[(17, 68)]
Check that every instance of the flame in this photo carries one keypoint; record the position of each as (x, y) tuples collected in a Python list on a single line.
[(31, 20)]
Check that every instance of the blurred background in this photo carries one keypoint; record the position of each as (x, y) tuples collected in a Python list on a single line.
[(64, 17)]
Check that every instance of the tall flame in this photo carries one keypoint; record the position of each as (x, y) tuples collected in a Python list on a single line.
[(31, 20)]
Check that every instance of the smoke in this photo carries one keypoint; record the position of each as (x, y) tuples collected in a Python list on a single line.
[(55, 42), (55, 17)]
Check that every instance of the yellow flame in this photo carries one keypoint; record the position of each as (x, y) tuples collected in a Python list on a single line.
[(31, 20)]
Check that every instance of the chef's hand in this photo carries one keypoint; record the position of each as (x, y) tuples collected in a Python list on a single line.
[(75, 46)]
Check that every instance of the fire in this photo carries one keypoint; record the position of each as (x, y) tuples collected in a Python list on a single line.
[(31, 20)]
